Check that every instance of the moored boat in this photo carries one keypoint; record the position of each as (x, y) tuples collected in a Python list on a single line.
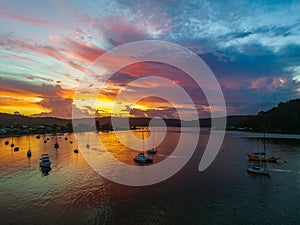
[(254, 157), (262, 156), (152, 151), (141, 158), (257, 169), (29, 153), (45, 161)]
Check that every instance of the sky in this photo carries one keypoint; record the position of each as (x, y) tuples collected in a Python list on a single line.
[(46, 48)]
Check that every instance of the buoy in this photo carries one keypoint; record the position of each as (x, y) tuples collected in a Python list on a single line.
[(6, 142), (87, 146), (48, 139), (66, 138), (71, 142), (56, 145), (45, 141), (75, 150), (12, 145), (28, 153)]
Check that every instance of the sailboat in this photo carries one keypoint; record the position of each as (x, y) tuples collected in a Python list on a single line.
[(56, 145), (12, 142), (261, 156), (45, 139), (152, 150), (258, 169), (88, 141), (29, 151), (141, 157)]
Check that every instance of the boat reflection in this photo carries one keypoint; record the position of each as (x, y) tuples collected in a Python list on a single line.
[(45, 171)]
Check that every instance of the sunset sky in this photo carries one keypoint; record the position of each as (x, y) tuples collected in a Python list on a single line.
[(252, 47)]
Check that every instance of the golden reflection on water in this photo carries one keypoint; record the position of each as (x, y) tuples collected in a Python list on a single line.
[(11, 159), (65, 156), (73, 193)]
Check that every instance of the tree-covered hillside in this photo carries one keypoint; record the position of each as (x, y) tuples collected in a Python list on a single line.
[(285, 118)]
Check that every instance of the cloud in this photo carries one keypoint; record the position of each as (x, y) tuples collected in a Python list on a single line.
[(252, 48), (40, 78), (72, 52), (163, 113), (36, 21), (54, 100)]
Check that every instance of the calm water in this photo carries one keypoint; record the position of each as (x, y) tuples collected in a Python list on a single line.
[(72, 193)]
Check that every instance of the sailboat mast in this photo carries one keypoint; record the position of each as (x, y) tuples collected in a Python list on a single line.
[(143, 139), (153, 140), (265, 142)]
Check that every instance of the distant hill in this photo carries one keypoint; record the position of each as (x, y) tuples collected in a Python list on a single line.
[(9, 120), (104, 123), (284, 118)]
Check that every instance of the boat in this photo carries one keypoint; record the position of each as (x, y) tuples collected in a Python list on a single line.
[(262, 156), (56, 145), (38, 136), (45, 161), (254, 157), (29, 151), (141, 157), (257, 169), (16, 149), (12, 142), (88, 141), (152, 150)]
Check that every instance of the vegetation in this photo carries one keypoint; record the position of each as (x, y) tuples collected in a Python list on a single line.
[(285, 118)]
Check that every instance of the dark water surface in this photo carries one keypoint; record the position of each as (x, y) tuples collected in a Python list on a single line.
[(72, 193)]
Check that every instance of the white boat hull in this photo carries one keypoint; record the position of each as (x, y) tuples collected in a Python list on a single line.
[(258, 170)]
